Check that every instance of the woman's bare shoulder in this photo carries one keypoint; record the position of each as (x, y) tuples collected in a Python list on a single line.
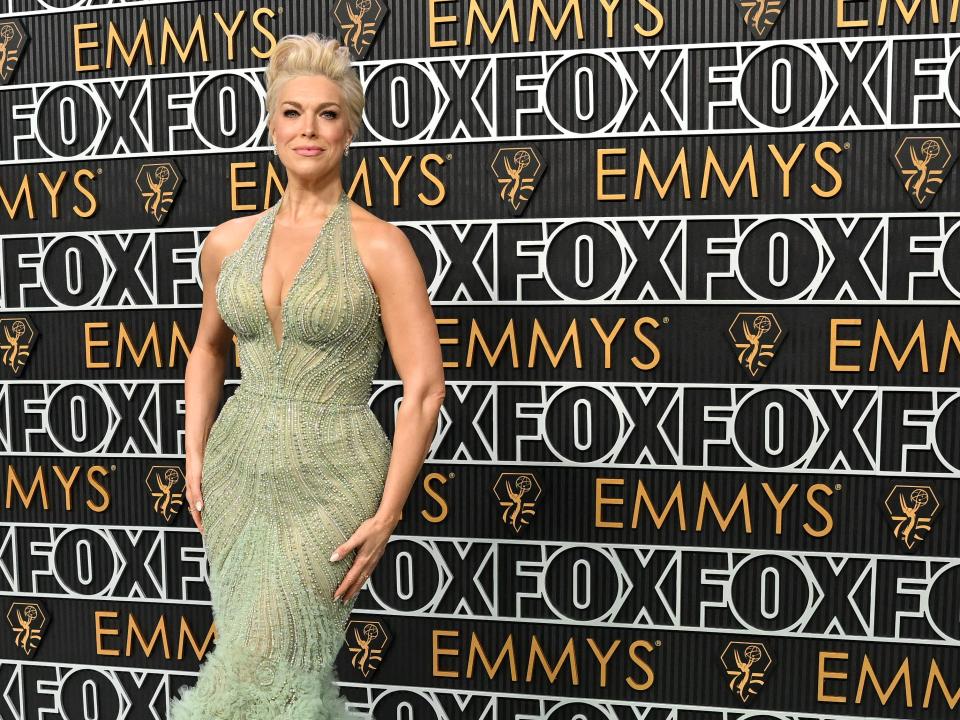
[(378, 235), (227, 237), (385, 250)]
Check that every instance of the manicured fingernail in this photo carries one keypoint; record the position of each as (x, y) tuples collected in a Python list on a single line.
[(335, 556), (200, 505)]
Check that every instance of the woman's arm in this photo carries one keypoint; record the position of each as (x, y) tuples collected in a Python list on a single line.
[(411, 331), (207, 366)]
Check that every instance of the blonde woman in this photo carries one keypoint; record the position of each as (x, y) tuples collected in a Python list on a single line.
[(295, 486)]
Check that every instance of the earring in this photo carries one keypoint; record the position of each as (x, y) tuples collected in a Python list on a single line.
[(346, 149), (275, 151)]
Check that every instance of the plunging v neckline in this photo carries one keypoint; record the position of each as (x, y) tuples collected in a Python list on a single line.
[(278, 349)]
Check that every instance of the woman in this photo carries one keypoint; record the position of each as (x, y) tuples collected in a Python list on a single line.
[(296, 466)]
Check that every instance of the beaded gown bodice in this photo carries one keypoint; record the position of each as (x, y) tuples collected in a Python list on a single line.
[(293, 464), (332, 337)]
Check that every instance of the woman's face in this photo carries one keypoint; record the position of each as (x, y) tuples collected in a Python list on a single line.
[(309, 124)]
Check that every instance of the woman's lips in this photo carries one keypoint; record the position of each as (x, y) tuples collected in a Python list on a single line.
[(309, 152)]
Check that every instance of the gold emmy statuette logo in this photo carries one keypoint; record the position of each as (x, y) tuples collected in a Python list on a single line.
[(27, 620), (747, 664), (755, 337), (158, 184), (517, 494), (359, 21), (13, 38), (760, 15), (367, 642), (167, 485), (923, 162), (911, 508), (518, 170), (19, 336)]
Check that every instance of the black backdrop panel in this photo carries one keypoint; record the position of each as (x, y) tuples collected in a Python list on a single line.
[(695, 266)]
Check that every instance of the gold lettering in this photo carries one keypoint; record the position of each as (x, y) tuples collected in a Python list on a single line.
[(712, 165), (638, 332), (159, 634), (125, 343), (230, 31), (835, 343), (642, 664), (428, 485), (186, 634), (603, 171), (115, 41), (540, 338), (741, 500), (599, 501), (93, 475), (26, 498), (396, 175), (53, 191), (603, 658), (786, 165), (902, 674), (607, 338), (676, 498), (23, 192), (679, 165), (474, 12), (918, 338), (507, 651), (80, 45), (67, 483), (908, 13), (608, 7), (79, 175), (935, 674), (843, 21), (99, 631), (779, 503), (507, 338), (169, 37), (652, 9), (265, 32), (444, 340), (437, 651), (539, 9), (434, 20), (950, 339), (536, 653), (831, 170), (425, 164), (823, 674), (89, 344), (820, 509)]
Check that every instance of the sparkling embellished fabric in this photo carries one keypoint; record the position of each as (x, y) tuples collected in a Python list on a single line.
[(295, 461)]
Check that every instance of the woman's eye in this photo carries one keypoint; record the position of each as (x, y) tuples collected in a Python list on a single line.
[(331, 113)]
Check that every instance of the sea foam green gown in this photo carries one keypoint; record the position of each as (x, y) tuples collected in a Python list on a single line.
[(295, 461)]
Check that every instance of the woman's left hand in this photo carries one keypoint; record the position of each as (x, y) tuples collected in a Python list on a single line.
[(369, 540)]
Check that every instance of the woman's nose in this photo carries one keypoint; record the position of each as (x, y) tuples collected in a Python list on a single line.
[(309, 125)]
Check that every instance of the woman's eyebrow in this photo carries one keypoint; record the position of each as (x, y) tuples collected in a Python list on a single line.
[(298, 105)]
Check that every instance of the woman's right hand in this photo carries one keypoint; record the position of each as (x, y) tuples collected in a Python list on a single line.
[(195, 496)]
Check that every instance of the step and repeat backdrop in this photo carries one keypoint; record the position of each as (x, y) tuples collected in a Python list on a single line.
[(695, 265)]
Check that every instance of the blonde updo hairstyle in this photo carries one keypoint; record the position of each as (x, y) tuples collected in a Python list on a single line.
[(312, 54)]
